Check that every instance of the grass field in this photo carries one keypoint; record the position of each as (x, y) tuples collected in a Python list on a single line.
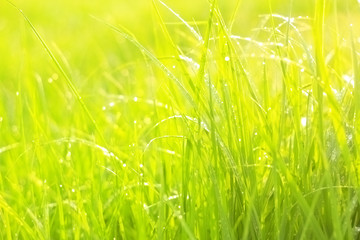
[(180, 119)]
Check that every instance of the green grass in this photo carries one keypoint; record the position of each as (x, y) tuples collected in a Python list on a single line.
[(180, 120)]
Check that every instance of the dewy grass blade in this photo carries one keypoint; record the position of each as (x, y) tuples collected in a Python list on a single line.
[(196, 34)]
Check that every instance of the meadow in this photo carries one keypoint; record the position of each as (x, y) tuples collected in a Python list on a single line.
[(208, 119)]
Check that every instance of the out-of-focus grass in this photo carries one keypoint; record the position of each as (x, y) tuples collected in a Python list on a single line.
[(179, 120)]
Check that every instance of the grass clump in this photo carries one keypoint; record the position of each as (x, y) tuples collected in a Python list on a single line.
[(188, 132)]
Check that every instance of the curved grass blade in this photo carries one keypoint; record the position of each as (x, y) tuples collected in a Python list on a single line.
[(62, 71)]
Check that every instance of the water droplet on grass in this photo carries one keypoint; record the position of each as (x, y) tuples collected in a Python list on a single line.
[(348, 79), (227, 58), (68, 155), (135, 99), (334, 90), (124, 165), (73, 190), (111, 104), (303, 121)]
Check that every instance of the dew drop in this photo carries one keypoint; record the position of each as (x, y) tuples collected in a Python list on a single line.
[(303, 121), (55, 76), (135, 99), (68, 155), (334, 90), (227, 58)]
